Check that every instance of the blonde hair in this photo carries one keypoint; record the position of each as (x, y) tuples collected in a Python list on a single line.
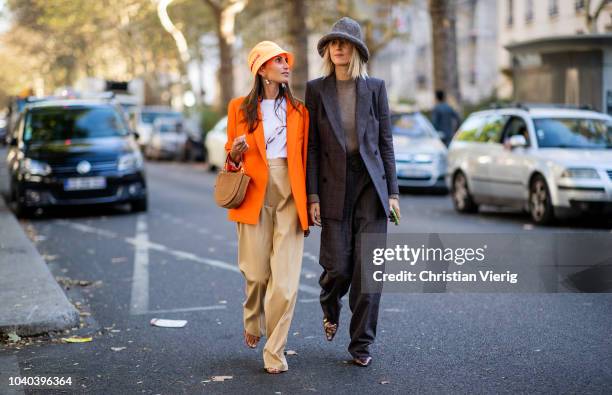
[(356, 68)]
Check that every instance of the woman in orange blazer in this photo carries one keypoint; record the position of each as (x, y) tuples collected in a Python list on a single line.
[(267, 135)]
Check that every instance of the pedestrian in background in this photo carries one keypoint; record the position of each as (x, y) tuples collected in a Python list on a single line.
[(267, 135), (444, 118), (351, 178)]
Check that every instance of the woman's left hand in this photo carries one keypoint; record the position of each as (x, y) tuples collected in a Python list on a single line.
[(394, 204)]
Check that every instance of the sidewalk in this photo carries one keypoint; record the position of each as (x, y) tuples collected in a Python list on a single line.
[(31, 301)]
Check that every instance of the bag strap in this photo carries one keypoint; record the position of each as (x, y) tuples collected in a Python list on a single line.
[(227, 164)]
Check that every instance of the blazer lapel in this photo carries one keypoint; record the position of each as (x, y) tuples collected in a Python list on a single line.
[(332, 108), (259, 136), (364, 101), (292, 124)]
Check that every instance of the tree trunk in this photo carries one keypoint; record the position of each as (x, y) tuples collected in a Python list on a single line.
[(445, 67), (298, 36), (226, 68)]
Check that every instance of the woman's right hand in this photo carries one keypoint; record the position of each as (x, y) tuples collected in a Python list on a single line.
[(314, 211), (239, 146)]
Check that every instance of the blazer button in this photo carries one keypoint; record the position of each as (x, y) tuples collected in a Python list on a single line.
[(375, 152), (384, 177)]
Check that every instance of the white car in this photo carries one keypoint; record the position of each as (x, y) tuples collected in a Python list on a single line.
[(215, 144), (549, 161), (144, 118), (420, 154)]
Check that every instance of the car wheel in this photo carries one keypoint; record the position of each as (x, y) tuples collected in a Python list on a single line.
[(540, 204), (139, 206), (462, 198), (23, 211)]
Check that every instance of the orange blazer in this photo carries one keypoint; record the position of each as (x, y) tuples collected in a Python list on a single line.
[(255, 163)]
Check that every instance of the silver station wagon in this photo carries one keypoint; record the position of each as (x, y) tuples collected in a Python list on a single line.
[(549, 161)]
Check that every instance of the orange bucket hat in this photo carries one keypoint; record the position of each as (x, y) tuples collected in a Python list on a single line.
[(264, 51)]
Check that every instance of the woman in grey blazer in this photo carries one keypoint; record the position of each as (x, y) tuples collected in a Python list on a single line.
[(351, 180)]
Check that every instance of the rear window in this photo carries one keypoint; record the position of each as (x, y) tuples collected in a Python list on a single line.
[(411, 125), (150, 116), (63, 123)]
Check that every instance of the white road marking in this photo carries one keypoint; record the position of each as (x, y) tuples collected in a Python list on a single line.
[(140, 277), (9, 367), (142, 244), (87, 228), (186, 309)]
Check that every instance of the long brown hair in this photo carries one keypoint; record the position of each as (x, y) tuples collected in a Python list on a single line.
[(250, 103)]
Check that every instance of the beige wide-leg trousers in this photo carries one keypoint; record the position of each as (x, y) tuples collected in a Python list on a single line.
[(270, 258)]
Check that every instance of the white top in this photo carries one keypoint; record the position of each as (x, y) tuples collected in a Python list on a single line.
[(275, 128)]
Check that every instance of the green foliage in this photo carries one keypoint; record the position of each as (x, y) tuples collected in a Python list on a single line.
[(209, 117)]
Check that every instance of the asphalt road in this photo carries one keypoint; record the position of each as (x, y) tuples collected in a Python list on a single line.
[(178, 261)]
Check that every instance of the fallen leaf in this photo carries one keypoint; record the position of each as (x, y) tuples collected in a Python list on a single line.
[(384, 382), (77, 339), (118, 348), (223, 302), (291, 352), (221, 378)]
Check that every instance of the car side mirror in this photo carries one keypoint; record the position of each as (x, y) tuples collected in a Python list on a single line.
[(517, 141)]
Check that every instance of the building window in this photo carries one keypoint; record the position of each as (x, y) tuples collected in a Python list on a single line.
[(421, 82), (529, 11), (510, 12), (579, 4), (553, 7)]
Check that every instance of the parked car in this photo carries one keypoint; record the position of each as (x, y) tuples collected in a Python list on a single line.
[(194, 147), (548, 161), (215, 144), (145, 117), (420, 154), (3, 129), (168, 140), (74, 152)]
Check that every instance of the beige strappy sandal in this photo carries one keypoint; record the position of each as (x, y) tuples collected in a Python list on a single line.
[(251, 340)]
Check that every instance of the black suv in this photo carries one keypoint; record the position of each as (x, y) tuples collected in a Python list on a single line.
[(74, 152)]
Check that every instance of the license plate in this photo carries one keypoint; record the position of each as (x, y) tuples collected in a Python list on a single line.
[(84, 183), (412, 172)]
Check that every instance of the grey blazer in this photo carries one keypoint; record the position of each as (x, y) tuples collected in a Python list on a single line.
[(326, 162)]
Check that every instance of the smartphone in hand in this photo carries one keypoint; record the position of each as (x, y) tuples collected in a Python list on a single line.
[(393, 217)]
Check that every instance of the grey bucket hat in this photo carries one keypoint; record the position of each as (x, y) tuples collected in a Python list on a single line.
[(346, 29)]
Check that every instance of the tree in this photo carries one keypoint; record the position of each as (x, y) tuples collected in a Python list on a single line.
[(592, 17), (445, 71), (298, 39), (378, 25), (224, 12)]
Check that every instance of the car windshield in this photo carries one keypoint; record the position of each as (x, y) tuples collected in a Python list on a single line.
[(63, 123), (150, 116), (411, 125), (573, 133)]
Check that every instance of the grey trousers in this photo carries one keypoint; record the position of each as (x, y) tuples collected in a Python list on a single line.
[(340, 257)]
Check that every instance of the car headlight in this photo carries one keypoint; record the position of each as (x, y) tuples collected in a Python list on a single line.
[(35, 167), (582, 173), (423, 158), (131, 161)]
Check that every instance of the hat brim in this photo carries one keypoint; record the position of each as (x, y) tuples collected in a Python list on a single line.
[(272, 55), (361, 47)]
